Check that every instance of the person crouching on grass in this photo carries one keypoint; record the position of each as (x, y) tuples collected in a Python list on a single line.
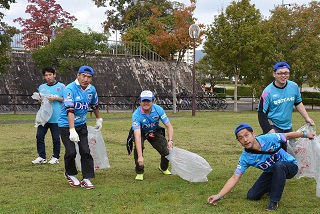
[(263, 152), (145, 126)]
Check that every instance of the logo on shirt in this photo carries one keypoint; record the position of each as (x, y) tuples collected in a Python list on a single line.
[(134, 122), (81, 105), (269, 162), (287, 99), (69, 96), (77, 97), (155, 117), (90, 96), (149, 126), (163, 116)]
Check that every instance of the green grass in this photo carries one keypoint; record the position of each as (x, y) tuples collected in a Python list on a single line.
[(28, 188)]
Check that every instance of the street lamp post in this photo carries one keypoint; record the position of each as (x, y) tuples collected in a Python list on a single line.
[(290, 4), (135, 2), (194, 32)]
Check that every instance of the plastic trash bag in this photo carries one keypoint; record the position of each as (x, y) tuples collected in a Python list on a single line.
[(44, 113), (97, 150), (188, 165), (307, 153), (36, 96)]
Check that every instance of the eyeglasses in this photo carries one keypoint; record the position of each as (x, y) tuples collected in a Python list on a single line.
[(283, 74)]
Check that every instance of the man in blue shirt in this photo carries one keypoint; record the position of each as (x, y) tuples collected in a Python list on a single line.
[(263, 152), (53, 90), (145, 125), (277, 101), (79, 96)]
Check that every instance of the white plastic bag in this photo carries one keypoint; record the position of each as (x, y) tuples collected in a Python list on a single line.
[(97, 150), (44, 113), (188, 165), (307, 153), (36, 96)]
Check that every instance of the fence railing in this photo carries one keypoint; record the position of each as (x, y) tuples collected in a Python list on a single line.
[(18, 103), (33, 41)]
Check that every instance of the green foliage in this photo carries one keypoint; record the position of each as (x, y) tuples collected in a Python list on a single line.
[(238, 43), (311, 98), (70, 50), (219, 90), (311, 101), (296, 32), (243, 91), (28, 188), (5, 37)]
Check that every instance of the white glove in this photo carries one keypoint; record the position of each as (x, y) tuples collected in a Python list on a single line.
[(98, 124), (74, 135)]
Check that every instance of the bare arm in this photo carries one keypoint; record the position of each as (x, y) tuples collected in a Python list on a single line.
[(96, 113), (59, 99), (231, 183), (71, 120), (302, 110), (291, 135), (137, 141), (170, 134)]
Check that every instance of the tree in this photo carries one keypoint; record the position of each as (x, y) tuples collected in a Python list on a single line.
[(296, 30), (6, 32), (70, 50), (45, 15), (124, 14), (172, 35), (236, 43)]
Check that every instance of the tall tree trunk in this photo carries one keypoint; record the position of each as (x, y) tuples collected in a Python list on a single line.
[(174, 87), (236, 78)]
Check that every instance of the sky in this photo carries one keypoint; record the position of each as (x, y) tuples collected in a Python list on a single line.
[(88, 14)]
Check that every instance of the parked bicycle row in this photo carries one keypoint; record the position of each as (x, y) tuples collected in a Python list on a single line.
[(123, 103)]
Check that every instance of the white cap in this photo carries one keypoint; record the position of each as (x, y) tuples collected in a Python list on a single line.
[(146, 95)]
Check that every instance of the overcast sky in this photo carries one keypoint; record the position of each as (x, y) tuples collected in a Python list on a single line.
[(87, 13)]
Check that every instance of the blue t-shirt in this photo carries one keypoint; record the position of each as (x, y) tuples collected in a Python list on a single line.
[(55, 90), (278, 103), (78, 99), (149, 122), (265, 162)]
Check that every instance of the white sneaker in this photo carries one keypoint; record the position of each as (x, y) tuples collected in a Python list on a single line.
[(53, 160), (39, 160), (86, 183), (73, 180)]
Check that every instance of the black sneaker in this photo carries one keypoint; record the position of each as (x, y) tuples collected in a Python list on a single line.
[(272, 206)]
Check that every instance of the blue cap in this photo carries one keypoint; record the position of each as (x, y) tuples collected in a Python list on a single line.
[(242, 126), (281, 65), (146, 95), (86, 69)]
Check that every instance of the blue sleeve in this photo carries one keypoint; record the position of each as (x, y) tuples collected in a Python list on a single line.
[(163, 116)]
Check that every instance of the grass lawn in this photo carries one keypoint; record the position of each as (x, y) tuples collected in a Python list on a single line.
[(28, 188)]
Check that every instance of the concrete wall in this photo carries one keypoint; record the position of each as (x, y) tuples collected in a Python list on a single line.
[(114, 76)]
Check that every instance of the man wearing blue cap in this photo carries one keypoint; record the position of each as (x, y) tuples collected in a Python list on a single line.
[(277, 101), (145, 126), (78, 97), (263, 152)]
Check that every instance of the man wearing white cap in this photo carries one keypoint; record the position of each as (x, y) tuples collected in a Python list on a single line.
[(277, 101), (145, 126)]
